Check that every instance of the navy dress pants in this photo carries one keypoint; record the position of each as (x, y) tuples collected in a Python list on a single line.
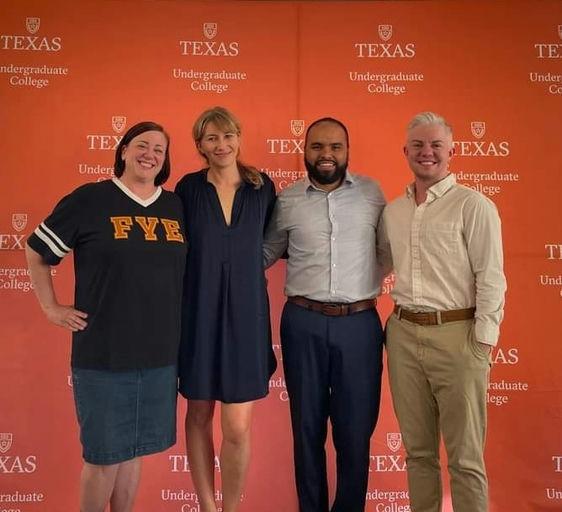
[(333, 369)]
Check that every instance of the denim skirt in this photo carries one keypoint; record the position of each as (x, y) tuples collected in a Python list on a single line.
[(125, 414)]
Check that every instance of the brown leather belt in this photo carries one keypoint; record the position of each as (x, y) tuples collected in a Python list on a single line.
[(434, 317), (333, 308)]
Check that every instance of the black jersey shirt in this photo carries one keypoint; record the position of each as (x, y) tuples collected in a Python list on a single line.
[(129, 260)]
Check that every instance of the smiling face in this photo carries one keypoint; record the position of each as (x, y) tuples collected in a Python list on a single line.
[(144, 156), (220, 148), (326, 154), (429, 149)]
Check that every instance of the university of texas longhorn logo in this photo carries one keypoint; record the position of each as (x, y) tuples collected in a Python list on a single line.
[(5, 441), (478, 128), (32, 25), (210, 30), (394, 440), (297, 127), (385, 32), (118, 123), (19, 221)]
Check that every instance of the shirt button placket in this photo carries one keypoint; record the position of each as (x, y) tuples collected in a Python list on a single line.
[(333, 251), (416, 256)]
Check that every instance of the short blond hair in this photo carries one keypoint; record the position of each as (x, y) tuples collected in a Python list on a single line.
[(430, 118)]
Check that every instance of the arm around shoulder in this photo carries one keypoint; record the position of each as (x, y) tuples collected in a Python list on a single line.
[(276, 239), (384, 253)]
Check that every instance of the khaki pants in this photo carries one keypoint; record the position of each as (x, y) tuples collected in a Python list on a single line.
[(438, 380)]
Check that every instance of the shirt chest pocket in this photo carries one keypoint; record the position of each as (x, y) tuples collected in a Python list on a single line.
[(442, 238)]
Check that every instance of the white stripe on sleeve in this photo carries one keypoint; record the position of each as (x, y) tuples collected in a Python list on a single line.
[(50, 243)]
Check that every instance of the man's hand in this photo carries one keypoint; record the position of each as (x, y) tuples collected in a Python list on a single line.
[(485, 347)]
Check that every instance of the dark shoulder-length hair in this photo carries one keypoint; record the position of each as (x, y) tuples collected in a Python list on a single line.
[(137, 129), (225, 121)]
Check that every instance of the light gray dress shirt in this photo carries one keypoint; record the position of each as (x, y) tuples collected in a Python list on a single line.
[(330, 238), (447, 254)]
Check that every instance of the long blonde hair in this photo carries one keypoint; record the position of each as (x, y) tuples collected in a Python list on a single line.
[(226, 122)]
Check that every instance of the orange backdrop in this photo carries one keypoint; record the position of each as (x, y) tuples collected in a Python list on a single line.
[(75, 75)]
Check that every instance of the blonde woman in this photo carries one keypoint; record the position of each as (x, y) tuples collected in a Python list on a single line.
[(225, 352)]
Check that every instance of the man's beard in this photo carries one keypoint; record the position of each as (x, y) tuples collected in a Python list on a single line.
[(322, 177)]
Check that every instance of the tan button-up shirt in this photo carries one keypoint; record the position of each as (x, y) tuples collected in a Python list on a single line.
[(447, 254)]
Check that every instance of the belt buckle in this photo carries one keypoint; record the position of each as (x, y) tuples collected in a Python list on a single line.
[(432, 317), (331, 309)]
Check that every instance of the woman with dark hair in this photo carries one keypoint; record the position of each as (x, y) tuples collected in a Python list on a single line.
[(225, 352), (129, 259)]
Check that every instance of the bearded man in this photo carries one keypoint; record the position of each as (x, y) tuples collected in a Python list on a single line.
[(331, 334)]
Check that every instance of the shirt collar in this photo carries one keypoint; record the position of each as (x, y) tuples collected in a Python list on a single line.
[(205, 178), (143, 202), (308, 185), (436, 190)]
